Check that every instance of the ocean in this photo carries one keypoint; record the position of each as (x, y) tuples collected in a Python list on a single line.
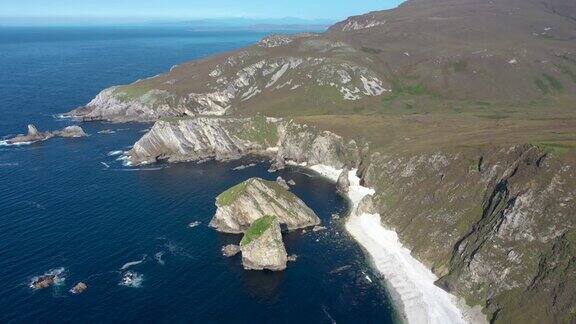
[(69, 206)]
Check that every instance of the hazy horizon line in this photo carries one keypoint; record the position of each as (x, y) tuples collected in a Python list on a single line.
[(91, 20)]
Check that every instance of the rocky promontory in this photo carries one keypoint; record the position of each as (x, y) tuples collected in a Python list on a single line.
[(34, 135), (203, 138), (243, 204), (262, 247)]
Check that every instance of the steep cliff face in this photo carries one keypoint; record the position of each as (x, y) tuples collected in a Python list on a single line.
[(262, 247), (486, 221), (243, 204), (196, 139)]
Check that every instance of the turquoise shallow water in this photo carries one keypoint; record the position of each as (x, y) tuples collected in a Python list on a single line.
[(62, 208)]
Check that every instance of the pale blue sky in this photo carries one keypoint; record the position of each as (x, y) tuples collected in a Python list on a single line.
[(310, 9)]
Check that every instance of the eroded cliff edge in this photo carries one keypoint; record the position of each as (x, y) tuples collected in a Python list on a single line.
[(495, 224)]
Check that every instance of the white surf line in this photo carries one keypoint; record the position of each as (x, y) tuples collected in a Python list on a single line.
[(413, 283), (133, 263)]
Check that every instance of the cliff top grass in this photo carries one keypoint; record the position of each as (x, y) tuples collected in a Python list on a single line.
[(257, 228), (260, 131), (230, 195)]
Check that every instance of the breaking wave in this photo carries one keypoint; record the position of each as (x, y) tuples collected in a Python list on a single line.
[(132, 279), (133, 263), (5, 143)]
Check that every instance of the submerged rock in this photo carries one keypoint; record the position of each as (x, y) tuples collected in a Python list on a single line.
[(79, 288), (34, 135), (230, 250), (283, 183), (241, 205), (318, 228), (262, 246)]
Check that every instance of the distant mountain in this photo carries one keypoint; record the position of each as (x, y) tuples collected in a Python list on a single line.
[(287, 24)]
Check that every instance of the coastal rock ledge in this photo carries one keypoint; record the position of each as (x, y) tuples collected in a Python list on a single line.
[(262, 247), (243, 204)]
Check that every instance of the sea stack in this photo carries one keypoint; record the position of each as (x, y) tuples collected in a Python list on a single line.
[(262, 247), (241, 205), (34, 135), (343, 183)]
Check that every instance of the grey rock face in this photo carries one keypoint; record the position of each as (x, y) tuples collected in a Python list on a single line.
[(230, 250), (282, 183), (266, 252), (240, 206), (35, 136), (79, 288), (202, 138), (71, 131), (300, 143), (366, 206), (116, 105), (343, 183)]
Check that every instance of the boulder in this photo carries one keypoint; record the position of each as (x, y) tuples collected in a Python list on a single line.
[(343, 183), (43, 282), (283, 183), (79, 288), (366, 206), (230, 250), (71, 131), (262, 247)]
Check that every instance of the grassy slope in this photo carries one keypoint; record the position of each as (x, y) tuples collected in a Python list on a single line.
[(257, 229)]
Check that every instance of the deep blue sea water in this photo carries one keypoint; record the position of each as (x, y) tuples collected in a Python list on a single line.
[(61, 207)]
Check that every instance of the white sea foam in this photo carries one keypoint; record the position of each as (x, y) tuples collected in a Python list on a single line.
[(105, 165), (5, 143), (133, 263), (125, 160), (194, 224), (132, 279), (9, 164), (115, 153), (412, 282), (242, 167), (158, 256)]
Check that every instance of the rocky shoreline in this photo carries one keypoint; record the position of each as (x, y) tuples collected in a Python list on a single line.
[(292, 143)]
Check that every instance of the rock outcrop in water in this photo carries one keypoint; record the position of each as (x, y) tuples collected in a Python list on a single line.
[(34, 135), (262, 246), (343, 183), (44, 281), (79, 288), (241, 205), (230, 250)]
